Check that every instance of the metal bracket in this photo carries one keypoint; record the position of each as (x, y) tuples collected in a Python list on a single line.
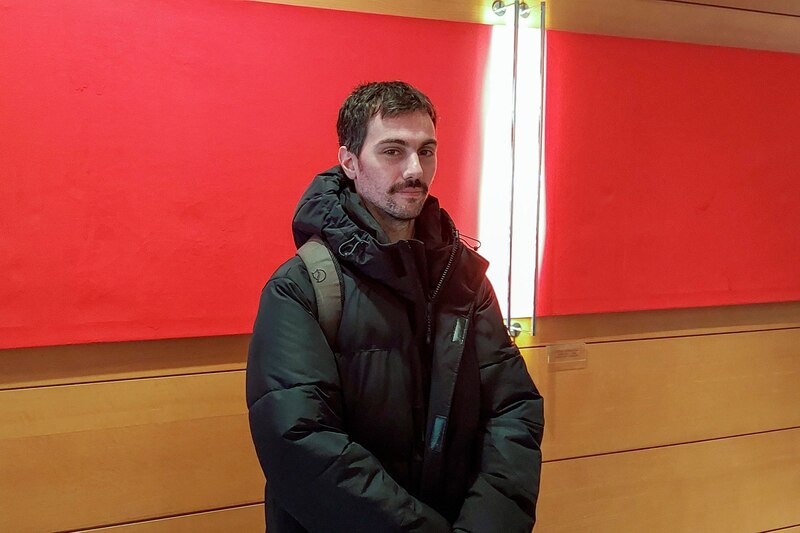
[(515, 329), (499, 8)]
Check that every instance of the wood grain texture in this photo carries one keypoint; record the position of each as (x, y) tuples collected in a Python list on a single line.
[(660, 323), (249, 518), (777, 7), (97, 406), (643, 393), (672, 21), (453, 10), (134, 451), (108, 453), (757, 24), (745, 484), (83, 363)]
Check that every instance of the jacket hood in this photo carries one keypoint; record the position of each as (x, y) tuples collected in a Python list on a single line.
[(331, 208)]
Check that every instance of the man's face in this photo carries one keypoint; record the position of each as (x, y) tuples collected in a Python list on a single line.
[(396, 166)]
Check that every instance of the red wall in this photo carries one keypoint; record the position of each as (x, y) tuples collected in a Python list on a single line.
[(152, 152), (673, 175)]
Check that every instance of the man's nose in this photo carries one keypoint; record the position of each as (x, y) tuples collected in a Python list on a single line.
[(413, 167)]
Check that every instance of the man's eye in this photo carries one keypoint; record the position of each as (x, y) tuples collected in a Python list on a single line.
[(391, 151), (427, 152)]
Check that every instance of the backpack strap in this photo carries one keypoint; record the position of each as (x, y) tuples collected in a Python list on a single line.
[(326, 280)]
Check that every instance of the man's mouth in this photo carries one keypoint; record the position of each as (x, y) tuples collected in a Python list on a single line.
[(411, 188)]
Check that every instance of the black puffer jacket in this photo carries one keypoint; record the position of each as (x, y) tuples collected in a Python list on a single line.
[(422, 417)]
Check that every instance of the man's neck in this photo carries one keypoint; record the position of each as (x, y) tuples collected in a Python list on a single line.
[(402, 230)]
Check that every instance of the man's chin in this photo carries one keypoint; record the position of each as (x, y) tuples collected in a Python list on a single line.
[(406, 214)]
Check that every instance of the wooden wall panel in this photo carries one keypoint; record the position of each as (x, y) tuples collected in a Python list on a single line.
[(774, 7), (83, 363), (742, 484), (456, 10), (677, 21), (174, 453), (660, 323), (247, 519), (644, 393), (757, 24), (87, 455), (73, 408)]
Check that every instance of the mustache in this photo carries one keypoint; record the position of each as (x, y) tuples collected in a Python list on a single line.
[(409, 184)]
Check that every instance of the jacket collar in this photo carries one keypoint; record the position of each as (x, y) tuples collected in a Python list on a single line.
[(331, 208)]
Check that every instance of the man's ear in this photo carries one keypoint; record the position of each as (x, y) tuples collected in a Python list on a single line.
[(348, 162)]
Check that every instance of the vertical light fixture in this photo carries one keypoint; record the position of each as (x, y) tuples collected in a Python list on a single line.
[(511, 171)]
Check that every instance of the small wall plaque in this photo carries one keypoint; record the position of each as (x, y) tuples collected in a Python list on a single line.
[(571, 356)]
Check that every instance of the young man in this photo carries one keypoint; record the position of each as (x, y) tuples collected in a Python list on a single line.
[(421, 416)]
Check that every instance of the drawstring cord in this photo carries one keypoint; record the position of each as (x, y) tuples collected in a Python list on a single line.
[(470, 242), (348, 247)]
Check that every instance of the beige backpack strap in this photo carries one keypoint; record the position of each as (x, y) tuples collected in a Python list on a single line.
[(326, 280)]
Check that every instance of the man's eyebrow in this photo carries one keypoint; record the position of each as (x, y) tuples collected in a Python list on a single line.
[(403, 142)]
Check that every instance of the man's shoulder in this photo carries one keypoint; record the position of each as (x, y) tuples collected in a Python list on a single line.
[(478, 262), (473, 268), (292, 271), (289, 281)]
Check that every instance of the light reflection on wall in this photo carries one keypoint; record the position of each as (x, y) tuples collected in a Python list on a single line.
[(495, 189)]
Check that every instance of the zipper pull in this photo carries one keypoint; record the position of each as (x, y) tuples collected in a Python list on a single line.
[(428, 319)]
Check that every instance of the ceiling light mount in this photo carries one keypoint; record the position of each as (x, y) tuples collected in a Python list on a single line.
[(499, 8)]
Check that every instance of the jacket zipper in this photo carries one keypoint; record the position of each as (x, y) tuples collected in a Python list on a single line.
[(435, 293)]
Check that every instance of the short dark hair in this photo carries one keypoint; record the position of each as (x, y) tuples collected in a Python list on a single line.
[(389, 98)]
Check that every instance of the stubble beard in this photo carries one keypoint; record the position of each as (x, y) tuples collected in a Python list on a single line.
[(405, 212)]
